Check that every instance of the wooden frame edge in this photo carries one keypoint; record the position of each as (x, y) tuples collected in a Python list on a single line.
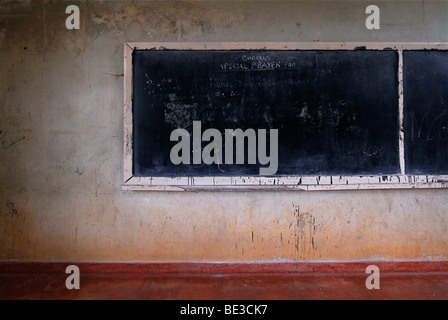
[(128, 115), (287, 45), (181, 184)]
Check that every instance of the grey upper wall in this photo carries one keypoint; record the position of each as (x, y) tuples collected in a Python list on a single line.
[(61, 157), (144, 20)]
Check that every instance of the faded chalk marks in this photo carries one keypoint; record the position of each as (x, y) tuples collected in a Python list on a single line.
[(10, 210), (8, 141)]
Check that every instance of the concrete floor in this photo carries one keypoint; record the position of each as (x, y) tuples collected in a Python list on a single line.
[(414, 286)]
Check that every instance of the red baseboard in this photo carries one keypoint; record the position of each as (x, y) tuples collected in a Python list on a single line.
[(180, 269)]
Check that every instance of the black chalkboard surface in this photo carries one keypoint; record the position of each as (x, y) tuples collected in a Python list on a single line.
[(426, 111), (336, 111)]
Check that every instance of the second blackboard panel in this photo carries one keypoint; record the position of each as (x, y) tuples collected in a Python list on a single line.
[(426, 111)]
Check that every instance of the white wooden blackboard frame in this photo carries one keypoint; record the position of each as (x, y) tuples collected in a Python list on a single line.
[(244, 183)]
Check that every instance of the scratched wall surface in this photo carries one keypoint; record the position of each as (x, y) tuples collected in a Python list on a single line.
[(61, 133)]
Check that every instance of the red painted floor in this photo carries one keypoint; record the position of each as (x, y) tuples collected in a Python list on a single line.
[(400, 286)]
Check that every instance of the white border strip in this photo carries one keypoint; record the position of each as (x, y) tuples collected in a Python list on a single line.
[(303, 183), (248, 183), (401, 112)]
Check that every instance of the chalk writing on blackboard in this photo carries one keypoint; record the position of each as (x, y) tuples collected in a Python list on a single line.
[(430, 128), (321, 102)]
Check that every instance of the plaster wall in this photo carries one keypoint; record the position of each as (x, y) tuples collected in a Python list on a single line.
[(61, 157)]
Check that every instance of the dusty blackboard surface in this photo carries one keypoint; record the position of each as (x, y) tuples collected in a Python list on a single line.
[(426, 111), (336, 111)]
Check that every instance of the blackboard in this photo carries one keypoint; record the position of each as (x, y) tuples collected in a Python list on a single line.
[(336, 111), (426, 111)]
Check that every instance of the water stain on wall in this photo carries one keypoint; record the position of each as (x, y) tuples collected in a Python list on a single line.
[(304, 233), (168, 21)]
